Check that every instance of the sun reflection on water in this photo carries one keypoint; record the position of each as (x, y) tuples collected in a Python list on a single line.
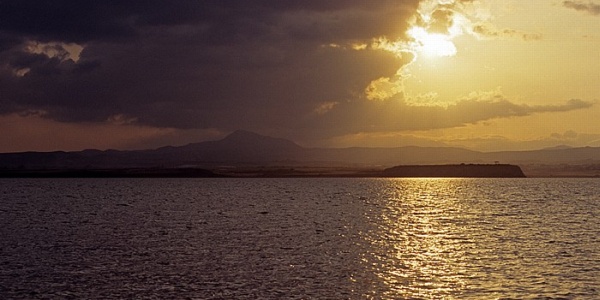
[(417, 248)]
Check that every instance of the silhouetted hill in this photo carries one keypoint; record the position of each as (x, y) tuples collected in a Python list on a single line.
[(239, 147), (110, 173), (548, 156), (243, 148)]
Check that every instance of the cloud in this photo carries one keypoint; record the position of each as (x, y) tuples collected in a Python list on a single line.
[(441, 21), (192, 64), (454, 18), (589, 7), (324, 107), (488, 31), (396, 114), (384, 88), (299, 67), (48, 135)]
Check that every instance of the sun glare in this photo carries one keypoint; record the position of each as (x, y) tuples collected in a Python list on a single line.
[(432, 44)]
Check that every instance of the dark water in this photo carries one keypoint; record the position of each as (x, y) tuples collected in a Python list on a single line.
[(300, 238)]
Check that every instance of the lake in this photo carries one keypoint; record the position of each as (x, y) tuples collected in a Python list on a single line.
[(308, 238)]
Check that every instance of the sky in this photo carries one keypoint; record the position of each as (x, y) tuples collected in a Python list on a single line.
[(486, 75)]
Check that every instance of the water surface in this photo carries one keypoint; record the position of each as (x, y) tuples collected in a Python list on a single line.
[(300, 238)]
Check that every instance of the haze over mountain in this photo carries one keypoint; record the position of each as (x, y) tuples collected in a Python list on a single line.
[(244, 148)]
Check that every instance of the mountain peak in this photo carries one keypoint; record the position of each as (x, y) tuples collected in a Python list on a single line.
[(241, 134), (244, 138)]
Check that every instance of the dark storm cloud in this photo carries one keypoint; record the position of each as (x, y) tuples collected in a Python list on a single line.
[(192, 64), (213, 21), (589, 7)]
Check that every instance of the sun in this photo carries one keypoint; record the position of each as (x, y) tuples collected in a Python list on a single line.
[(431, 44)]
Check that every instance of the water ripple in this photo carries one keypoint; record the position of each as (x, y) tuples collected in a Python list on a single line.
[(300, 238)]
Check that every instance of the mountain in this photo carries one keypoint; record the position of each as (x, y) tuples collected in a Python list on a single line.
[(581, 155), (239, 147), (248, 149)]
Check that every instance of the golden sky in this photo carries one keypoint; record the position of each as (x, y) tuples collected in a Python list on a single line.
[(561, 62), (480, 74), (535, 52)]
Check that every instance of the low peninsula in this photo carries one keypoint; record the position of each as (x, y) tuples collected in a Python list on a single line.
[(461, 170)]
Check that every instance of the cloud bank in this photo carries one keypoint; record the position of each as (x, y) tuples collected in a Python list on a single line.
[(299, 67)]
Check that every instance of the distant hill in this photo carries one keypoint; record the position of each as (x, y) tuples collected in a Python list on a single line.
[(247, 149), (558, 147)]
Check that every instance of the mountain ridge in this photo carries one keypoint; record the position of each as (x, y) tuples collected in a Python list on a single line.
[(245, 148)]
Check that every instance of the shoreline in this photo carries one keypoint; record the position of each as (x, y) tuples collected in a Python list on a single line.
[(403, 171)]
